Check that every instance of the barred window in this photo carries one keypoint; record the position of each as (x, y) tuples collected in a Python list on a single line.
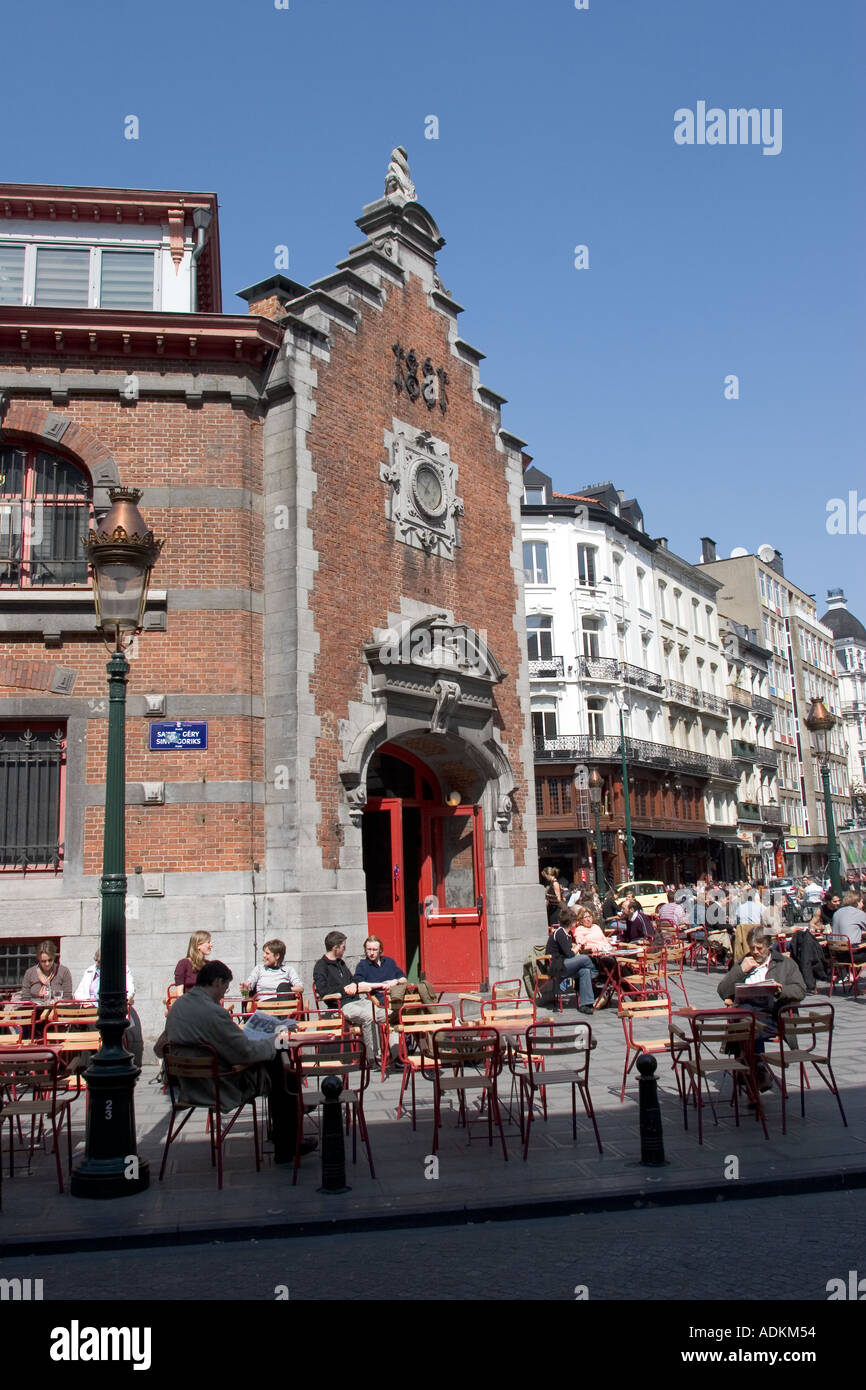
[(16, 957), (45, 510), (32, 770)]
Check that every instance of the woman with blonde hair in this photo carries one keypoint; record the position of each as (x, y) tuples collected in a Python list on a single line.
[(186, 970)]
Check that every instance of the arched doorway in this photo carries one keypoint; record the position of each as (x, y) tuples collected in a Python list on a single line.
[(424, 868)]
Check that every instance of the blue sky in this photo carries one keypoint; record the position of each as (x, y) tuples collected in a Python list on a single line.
[(556, 129)]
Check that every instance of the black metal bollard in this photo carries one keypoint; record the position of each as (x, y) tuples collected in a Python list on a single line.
[(652, 1148), (333, 1148)]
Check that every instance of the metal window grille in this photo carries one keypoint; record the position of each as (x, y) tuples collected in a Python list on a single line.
[(31, 783), (45, 509), (16, 957)]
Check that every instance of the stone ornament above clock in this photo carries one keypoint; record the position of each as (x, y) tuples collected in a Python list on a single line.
[(422, 496)]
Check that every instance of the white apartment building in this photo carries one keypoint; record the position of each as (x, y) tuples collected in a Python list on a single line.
[(849, 637), (624, 640)]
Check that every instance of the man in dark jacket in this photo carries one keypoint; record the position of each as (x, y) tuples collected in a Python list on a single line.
[(331, 975), (638, 926)]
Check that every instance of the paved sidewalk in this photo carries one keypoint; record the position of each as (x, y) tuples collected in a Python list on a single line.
[(473, 1182)]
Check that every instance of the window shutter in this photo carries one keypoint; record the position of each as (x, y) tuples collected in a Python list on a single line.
[(62, 278), (11, 274), (127, 280)]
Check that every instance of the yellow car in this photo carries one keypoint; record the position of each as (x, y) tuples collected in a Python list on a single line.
[(649, 893)]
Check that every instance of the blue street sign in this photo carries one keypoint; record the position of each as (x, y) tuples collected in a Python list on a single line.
[(182, 734)]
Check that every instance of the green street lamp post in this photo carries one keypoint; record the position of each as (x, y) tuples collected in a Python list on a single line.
[(820, 721), (595, 793), (121, 554), (629, 842)]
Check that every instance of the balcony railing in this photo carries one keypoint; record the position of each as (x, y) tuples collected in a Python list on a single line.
[(606, 668), (738, 696), (713, 703), (766, 757), (761, 705), (682, 694), (771, 815), (546, 667), (745, 751), (748, 810), (637, 751)]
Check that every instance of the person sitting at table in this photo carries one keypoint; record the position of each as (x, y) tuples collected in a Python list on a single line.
[(587, 936), (850, 920), (273, 976), (381, 972), (637, 926), (47, 979), (673, 912), (186, 970), (87, 992), (568, 963), (778, 972), (609, 908), (832, 901), (332, 976), (198, 1017)]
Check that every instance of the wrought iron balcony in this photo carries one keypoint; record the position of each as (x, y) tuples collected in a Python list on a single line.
[(638, 752), (745, 752), (748, 810), (763, 706), (771, 815), (546, 668), (682, 694), (738, 696), (713, 703), (606, 668), (766, 757)]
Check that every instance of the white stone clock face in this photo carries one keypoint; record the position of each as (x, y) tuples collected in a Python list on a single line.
[(428, 491)]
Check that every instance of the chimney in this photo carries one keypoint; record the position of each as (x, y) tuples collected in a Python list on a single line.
[(708, 550), (836, 598), (662, 542)]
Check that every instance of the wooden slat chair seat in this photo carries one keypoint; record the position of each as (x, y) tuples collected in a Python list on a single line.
[(201, 1063), (722, 1044), (805, 1039), (75, 1046), (675, 959), (281, 1005), (466, 1060), (556, 1054), (347, 1058), (28, 1087)]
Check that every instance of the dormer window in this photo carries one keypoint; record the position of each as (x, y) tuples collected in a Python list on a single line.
[(77, 277), (535, 496)]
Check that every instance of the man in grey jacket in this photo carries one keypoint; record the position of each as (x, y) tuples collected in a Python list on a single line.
[(198, 1017)]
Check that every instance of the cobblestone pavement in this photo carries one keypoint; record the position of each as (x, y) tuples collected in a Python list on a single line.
[(472, 1178), (695, 1252)]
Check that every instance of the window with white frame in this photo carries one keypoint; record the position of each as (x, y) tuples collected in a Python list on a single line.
[(535, 562), (543, 724), (663, 594), (534, 496), (595, 717), (696, 617), (586, 568), (539, 636), (77, 277), (641, 588), (589, 632)]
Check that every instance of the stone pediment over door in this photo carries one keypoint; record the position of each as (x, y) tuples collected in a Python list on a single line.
[(434, 676)]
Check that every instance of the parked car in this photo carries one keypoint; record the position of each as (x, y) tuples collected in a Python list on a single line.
[(650, 893)]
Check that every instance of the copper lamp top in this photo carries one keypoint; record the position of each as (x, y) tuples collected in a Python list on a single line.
[(819, 719)]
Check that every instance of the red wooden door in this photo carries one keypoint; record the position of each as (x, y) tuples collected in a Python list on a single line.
[(454, 921), (382, 840)]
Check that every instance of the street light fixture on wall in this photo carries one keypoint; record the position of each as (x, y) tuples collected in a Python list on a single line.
[(121, 553), (820, 721)]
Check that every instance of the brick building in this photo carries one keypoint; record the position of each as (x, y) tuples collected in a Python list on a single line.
[(339, 598)]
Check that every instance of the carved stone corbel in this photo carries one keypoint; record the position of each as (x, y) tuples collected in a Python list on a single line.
[(448, 694)]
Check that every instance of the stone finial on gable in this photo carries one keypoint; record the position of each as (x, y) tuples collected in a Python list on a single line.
[(399, 187)]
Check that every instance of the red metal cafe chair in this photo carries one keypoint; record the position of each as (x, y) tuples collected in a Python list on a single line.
[(28, 1087), (345, 1057), (556, 1054), (722, 1044), (466, 1060), (646, 1024), (805, 1039), (843, 966), (415, 1027), (201, 1064)]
